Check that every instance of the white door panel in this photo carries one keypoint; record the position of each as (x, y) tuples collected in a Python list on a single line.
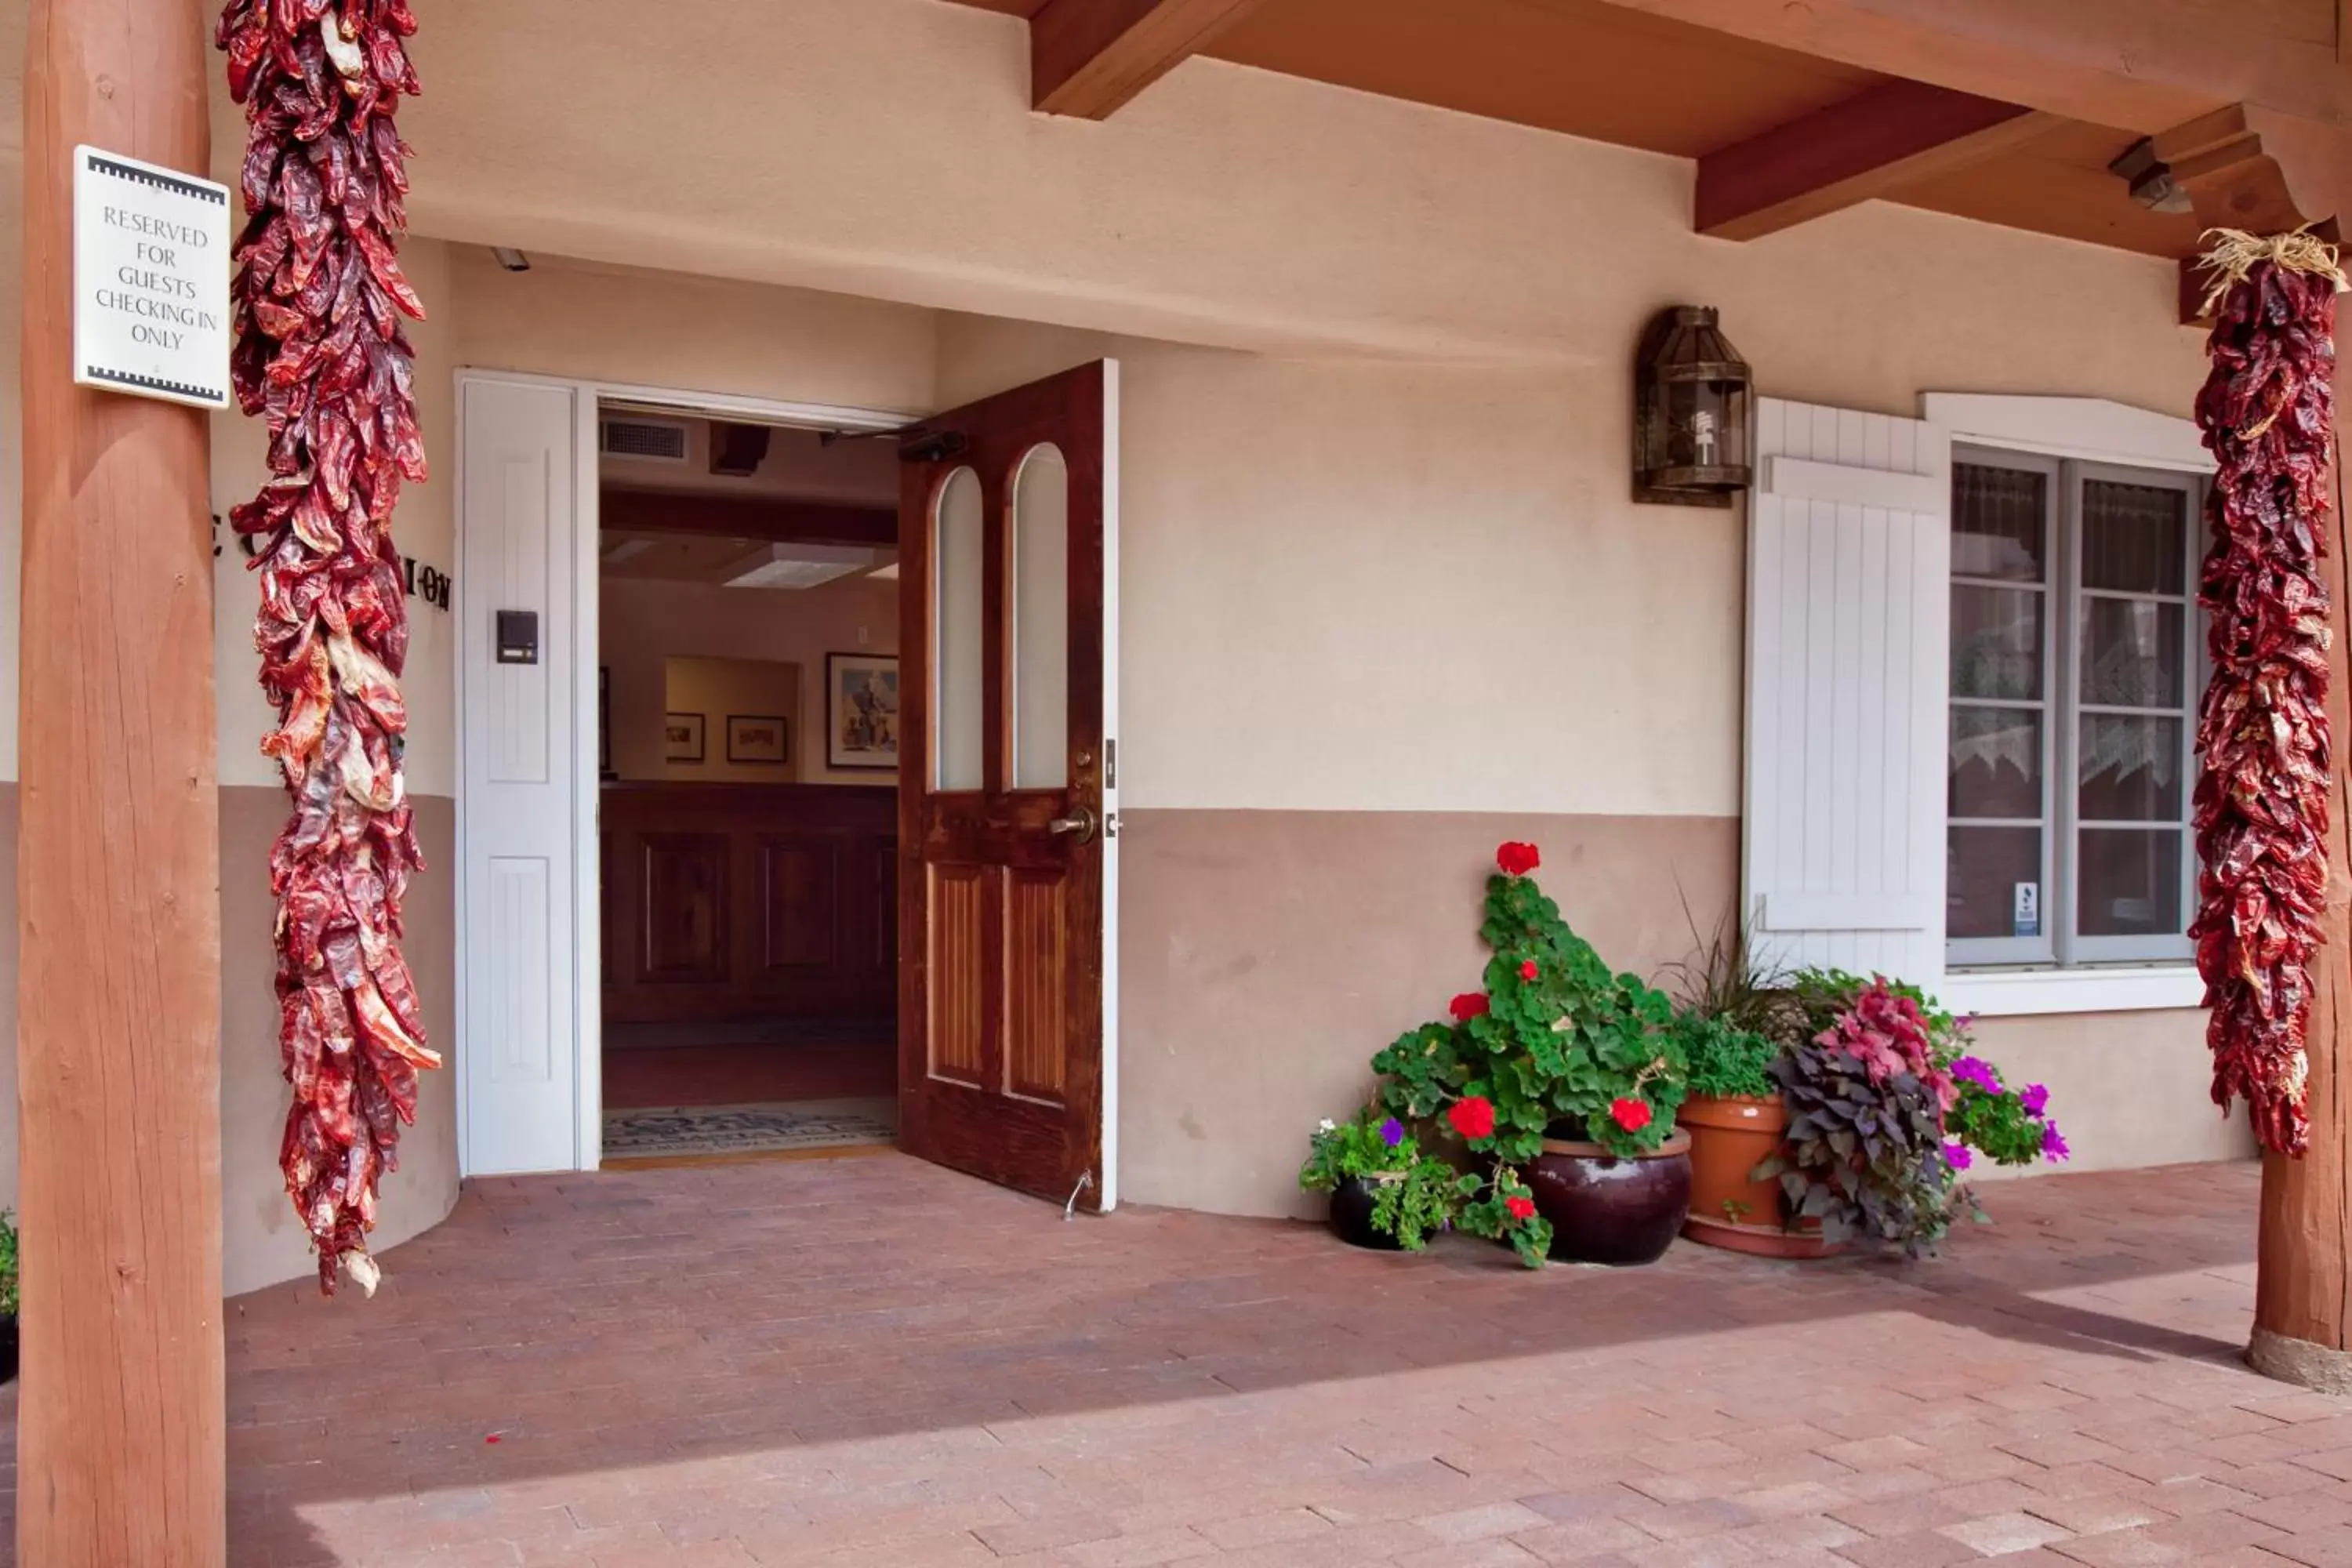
[(518, 1024)]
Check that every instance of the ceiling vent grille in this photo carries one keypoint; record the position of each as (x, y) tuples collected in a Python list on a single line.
[(649, 440)]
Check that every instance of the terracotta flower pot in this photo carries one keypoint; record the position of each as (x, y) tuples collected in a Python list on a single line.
[(1729, 1138), (1604, 1209), (1351, 1214)]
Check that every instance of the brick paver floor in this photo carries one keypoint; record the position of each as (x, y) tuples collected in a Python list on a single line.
[(875, 1362)]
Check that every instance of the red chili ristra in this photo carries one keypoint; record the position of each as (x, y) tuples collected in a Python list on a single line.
[(2261, 803), (321, 352)]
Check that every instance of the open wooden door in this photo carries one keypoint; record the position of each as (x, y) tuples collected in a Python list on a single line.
[(1007, 802)]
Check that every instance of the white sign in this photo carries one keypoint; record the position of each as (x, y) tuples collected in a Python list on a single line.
[(151, 280), (2025, 909)]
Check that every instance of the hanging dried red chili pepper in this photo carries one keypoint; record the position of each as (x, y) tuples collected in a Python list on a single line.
[(2262, 807), (321, 352)]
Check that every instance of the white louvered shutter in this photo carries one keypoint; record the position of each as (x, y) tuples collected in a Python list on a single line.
[(1849, 605)]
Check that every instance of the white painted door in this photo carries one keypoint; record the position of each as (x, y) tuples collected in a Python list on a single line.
[(519, 1026), (1848, 615)]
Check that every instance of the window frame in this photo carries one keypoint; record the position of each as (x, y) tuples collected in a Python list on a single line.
[(2061, 947)]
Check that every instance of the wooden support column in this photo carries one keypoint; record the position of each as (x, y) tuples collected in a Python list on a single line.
[(121, 1417), (2247, 168)]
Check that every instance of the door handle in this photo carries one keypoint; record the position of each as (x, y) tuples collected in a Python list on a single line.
[(1082, 822)]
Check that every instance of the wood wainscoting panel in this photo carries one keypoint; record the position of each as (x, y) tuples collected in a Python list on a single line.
[(685, 922), (727, 902), (1037, 982), (801, 895), (958, 968)]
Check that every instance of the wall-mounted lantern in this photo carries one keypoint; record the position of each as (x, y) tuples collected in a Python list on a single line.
[(1690, 411)]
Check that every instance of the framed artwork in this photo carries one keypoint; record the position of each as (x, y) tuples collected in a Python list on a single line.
[(758, 738), (861, 711), (682, 737), (604, 722)]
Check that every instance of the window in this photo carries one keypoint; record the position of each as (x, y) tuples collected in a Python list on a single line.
[(2075, 659)]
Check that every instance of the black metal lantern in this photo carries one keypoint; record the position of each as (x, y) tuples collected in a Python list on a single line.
[(1690, 411)]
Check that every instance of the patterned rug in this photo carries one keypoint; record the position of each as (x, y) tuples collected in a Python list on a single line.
[(693, 1130)]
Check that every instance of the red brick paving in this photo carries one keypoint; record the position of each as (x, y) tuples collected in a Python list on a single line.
[(873, 1361)]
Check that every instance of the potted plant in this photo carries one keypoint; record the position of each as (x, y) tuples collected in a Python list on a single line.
[(1887, 1114), (1385, 1193), (1562, 1067), (1734, 1012), (8, 1296)]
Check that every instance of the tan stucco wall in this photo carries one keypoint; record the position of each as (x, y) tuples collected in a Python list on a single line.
[(2126, 1089)]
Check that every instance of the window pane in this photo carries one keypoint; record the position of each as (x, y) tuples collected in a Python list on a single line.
[(1984, 869), (959, 530), (1996, 642), (1996, 762), (1040, 621), (2132, 653), (2000, 518), (2134, 537), (2130, 769), (2130, 883)]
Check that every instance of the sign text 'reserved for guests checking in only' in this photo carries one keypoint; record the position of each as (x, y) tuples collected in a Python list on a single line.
[(151, 280)]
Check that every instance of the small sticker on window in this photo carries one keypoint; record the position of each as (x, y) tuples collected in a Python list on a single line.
[(2025, 909)]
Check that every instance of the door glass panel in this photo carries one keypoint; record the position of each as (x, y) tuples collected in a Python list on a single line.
[(1983, 868), (958, 680), (1040, 621), (1996, 762), (2000, 522), (1997, 643), (2130, 883)]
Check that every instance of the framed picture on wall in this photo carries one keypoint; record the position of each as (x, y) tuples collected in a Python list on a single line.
[(682, 737), (758, 738), (861, 711)]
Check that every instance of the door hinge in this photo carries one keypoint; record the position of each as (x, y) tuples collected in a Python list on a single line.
[(1110, 762)]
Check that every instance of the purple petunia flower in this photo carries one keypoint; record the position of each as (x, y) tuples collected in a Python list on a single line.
[(1977, 1071), (2036, 1098), (2053, 1147), (1959, 1156), (1391, 1133)]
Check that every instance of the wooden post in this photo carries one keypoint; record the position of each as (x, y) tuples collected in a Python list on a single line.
[(120, 1419)]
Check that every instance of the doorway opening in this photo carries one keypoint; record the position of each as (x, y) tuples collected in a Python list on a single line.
[(748, 809)]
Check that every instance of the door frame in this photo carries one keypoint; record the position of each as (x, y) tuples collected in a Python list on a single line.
[(587, 913)]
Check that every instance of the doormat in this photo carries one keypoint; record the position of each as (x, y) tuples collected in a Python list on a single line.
[(702, 1130)]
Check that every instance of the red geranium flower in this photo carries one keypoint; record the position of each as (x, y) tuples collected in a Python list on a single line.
[(1472, 1117), (1518, 859), (1528, 970), (1470, 1004), (1520, 1208), (1632, 1115)]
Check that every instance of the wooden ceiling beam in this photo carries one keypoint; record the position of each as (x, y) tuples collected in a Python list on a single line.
[(2137, 64), (1088, 58), (1867, 147), (744, 516)]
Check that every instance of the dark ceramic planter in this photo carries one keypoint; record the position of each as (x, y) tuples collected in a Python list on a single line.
[(1352, 1216), (8, 1348), (1607, 1210)]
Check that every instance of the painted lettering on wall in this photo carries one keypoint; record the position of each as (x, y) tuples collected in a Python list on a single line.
[(420, 581)]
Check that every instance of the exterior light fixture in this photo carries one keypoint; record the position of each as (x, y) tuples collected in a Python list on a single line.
[(1691, 412), (510, 259)]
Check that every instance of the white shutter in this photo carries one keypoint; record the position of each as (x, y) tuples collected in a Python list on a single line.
[(1849, 605)]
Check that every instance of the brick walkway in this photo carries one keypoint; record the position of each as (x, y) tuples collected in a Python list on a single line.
[(873, 1362)]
